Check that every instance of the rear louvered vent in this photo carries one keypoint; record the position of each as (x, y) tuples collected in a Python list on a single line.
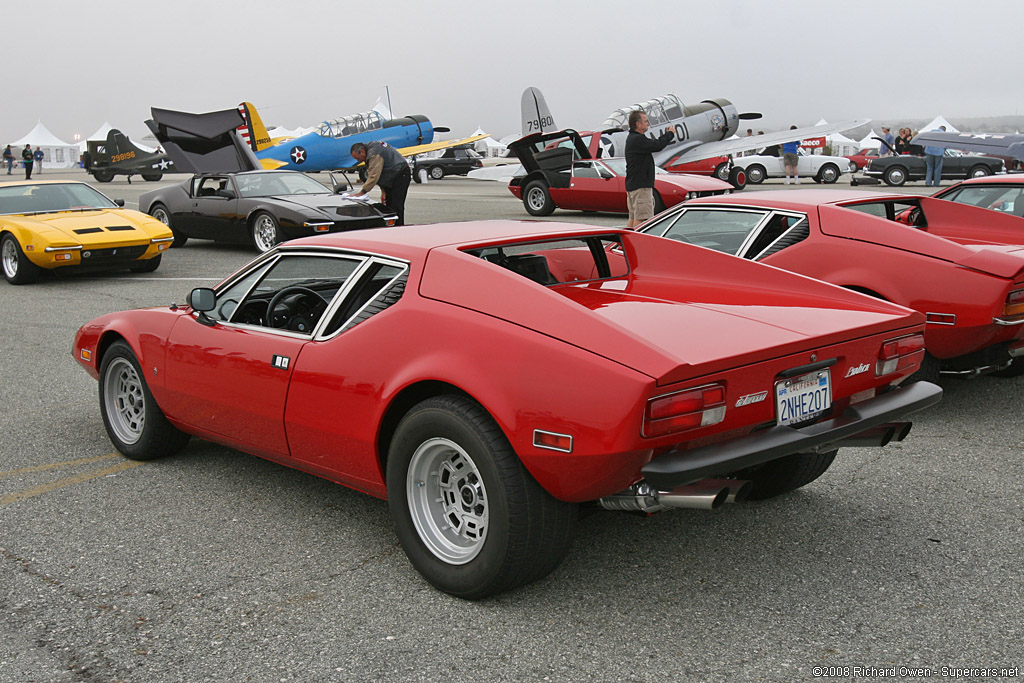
[(386, 298), (798, 233)]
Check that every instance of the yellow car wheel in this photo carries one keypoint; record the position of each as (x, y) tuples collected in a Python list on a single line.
[(18, 270)]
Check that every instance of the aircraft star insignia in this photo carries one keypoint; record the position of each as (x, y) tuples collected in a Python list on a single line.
[(298, 155), (163, 164)]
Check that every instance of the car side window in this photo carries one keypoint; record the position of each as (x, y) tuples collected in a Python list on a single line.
[(291, 292), (584, 169), (1005, 199), (778, 225), (210, 186)]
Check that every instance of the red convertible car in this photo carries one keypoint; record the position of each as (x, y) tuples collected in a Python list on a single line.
[(487, 378), (971, 292), (560, 174)]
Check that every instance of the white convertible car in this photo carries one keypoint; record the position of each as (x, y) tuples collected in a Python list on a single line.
[(818, 167)]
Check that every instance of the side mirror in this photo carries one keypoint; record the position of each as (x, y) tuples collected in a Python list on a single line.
[(339, 186), (202, 299), (119, 202)]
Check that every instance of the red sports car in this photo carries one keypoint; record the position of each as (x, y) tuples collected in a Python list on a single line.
[(1002, 193), (863, 157), (486, 378), (560, 174), (971, 292)]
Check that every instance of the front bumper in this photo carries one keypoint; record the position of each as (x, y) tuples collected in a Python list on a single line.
[(680, 467)]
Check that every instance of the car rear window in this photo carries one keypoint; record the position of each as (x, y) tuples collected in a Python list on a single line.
[(555, 262)]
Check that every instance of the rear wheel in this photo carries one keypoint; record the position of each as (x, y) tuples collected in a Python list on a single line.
[(659, 203), (785, 474), (152, 177), (18, 270), (738, 177), (537, 199), (756, 174), (436, 172), (134, 422), (722, 171), (828, 174), (928, 372), (103, 176), (470, 517)]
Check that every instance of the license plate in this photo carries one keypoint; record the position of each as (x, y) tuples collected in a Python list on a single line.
[(803, 398)]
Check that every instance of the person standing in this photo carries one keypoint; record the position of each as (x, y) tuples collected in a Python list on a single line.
[(387, 168), (933, 157), (640, 151), (9, 158), (791, 158), (889, 142), (38, 156), (26, 160)]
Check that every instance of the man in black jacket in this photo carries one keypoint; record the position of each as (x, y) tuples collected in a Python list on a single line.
[(640, 167)]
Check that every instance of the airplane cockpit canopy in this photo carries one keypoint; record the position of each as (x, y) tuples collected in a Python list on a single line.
[(350, 125), (659, 110)]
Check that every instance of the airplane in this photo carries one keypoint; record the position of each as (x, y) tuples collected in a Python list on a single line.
[(701, 130), (327, 147), (119, 156), (993, 144)]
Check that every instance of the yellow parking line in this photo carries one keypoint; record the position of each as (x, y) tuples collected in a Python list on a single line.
[(55, 465), (67, 481)]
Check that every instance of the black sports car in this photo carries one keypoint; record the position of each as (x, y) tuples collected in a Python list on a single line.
[(454, 161), (260, 208), (955, 166)]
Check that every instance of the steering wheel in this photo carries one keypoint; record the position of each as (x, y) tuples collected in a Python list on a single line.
[(295, 320)]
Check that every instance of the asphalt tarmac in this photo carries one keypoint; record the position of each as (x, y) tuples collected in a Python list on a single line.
[(213, 565)]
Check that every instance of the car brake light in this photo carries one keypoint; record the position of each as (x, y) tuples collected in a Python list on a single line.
[(1014, 303), (699, 407), (899, 354)]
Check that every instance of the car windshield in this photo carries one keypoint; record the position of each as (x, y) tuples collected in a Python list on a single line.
[(44, 198), (719, 229), (270, 184)]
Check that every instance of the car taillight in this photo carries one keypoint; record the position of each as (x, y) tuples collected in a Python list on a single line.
[(683, 410), (899, 354), (1014, 303)]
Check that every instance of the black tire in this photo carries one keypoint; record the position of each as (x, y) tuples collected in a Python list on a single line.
[(436, 173), (979, 171), (147, 266), (537, 199), (895, 176), (785, 474), (103, 176), (152, 177), (928, 372), (162, 214), (448, 449), (265, 231), (722, 171), (738, 177), (756, 173), (828, 174), (134, 422), (659, 203), (18, 270), (854, 166)]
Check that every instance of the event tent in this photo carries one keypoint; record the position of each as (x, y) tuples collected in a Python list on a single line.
[(100, 134), (940, 120), (488, 146), (56, 152)]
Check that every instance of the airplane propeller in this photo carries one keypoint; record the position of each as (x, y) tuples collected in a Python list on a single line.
[(749, 115)]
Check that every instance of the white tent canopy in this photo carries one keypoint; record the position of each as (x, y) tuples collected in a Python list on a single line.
[(100, 134), (488, 146), (870, 141), (56, 152), (940, 120)]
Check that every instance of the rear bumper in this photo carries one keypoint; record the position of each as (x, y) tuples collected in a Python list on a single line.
[(677, 468)]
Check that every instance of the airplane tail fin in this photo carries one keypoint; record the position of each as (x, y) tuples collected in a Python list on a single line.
[(119, 146), (536, 115), (253, 131)]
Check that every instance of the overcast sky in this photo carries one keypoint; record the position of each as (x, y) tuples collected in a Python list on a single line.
[(75, 65)]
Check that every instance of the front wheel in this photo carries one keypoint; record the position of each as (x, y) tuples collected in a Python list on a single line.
[(785, 474), (160, 212), (756, 174), (265, 232), (537, 199), (103, 176), (152, 177), (469, 516), (147, 266), (828, 174), (722, 171), (18, 270), (738, 177), (895, 176), (135, 424)]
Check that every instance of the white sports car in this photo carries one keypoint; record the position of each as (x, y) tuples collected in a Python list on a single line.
[(818, 167)]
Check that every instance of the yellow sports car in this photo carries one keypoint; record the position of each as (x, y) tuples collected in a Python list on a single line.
[(65, 224)]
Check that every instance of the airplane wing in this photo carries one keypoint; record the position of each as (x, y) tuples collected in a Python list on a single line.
[(723, 147), (998, 144), (434, 146)]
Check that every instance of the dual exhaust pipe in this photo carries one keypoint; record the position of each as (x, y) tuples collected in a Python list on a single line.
[(711, 494)]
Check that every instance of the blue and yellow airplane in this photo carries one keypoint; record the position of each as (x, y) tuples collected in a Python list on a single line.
[(327, 147)]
